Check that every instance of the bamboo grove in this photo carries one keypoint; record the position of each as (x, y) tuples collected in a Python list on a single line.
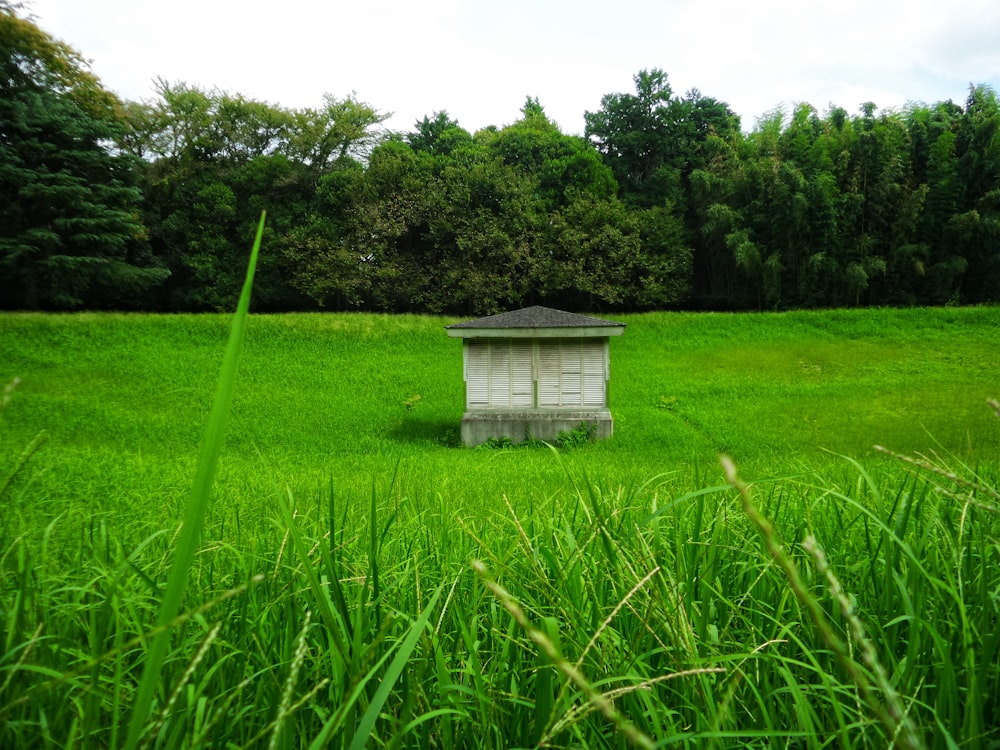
[(665, 201)]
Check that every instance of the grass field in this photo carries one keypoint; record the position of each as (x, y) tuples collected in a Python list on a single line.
[(630, 592)]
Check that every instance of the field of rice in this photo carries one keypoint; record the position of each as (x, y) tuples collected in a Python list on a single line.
[(354, 578)]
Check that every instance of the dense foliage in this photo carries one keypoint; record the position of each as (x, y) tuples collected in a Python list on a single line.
[(71, 232), (663, 203)]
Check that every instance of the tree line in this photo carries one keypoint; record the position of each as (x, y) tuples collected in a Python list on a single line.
[(664, 202)]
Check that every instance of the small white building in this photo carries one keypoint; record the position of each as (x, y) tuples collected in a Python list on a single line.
[(535, 373)]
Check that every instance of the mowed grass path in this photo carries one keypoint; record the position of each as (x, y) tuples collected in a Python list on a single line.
[(629, 596)]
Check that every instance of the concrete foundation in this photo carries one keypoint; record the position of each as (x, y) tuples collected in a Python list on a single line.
[(480, 426)]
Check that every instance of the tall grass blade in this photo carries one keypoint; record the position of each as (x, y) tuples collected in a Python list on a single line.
[(337, 622), (873, 686), (597, 699), (392, 675), (31, 449), (187, 541)]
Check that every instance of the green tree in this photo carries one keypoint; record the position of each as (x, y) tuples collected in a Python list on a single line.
[(653, 140), (389, 228), (449, 232), (601, 254), (976, 230), (322, 254), (560, 163), (71, 234), (439, 135), (342, 129), (716, 195), (678, 154), (214, 160), (441, 221), (634, 133)]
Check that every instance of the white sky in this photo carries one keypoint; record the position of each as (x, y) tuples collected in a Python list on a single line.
[(480, 60)]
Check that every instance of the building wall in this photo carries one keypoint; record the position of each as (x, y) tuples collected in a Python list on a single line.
[(499, 373), (478, 427), (535, 373)]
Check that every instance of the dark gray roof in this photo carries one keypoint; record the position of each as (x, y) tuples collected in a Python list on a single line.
[(538, 317)]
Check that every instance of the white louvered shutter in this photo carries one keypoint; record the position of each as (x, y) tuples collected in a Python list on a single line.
[(594, 373), (477, 372), (499, 373), (502, 373), (571, 352), (549, 372), (571, 372), (522, 390)]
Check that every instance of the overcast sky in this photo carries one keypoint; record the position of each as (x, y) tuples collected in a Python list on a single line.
[(480, 60)]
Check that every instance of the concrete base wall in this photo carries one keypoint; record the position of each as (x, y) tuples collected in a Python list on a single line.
[(480, 426)]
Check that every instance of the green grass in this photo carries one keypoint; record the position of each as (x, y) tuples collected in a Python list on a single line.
[(325, 397), (630, 593)]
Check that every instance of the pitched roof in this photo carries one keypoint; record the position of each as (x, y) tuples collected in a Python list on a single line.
[(538, 317)]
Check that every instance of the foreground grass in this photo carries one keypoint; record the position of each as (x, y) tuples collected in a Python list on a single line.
[(628, 593)]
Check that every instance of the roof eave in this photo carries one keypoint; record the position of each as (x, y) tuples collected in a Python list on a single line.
[(574, 332)]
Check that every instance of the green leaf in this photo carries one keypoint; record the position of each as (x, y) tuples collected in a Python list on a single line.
[(201, 490)]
